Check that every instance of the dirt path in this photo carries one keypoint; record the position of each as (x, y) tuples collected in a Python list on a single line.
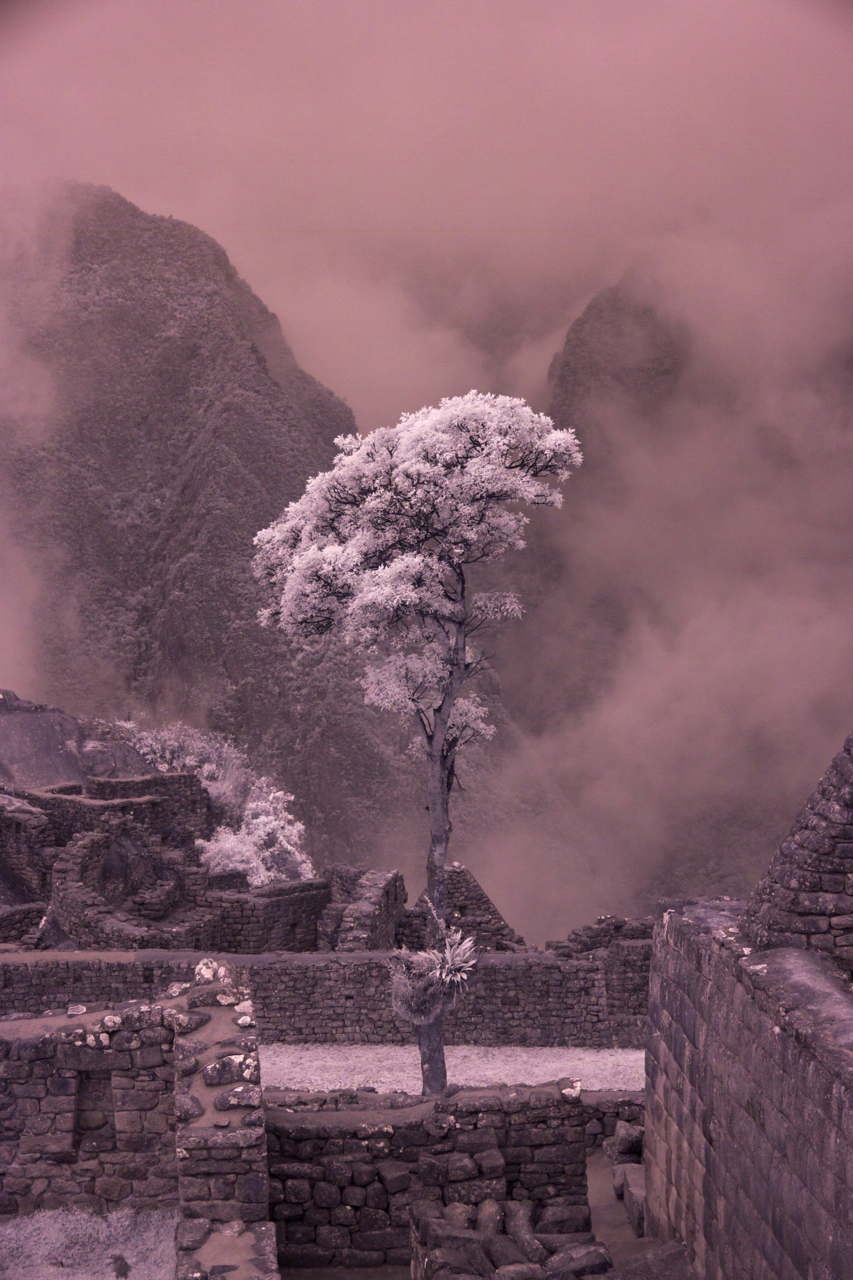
[(390, 1067)]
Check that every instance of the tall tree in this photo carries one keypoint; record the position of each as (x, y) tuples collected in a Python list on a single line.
[(380, 549)]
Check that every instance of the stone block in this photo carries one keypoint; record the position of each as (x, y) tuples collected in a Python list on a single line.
[(150, 1055), (364, 1258), (233, 1068), (376, 1197), (391, 1238), (314, 1217), (72, 1057), (579, 1260), (304, 1255), (185, 1023), (363, 1173), (490, 1163), (503, 1252), (333, 1237), (521, 1271), (191, 1234), (432, 1169), (225, 1211), (242, 1095), (395, 1176), (63, 1086), (472, 1140), (113, 1189), (338, 1172), (222, 1187), (326, 1195), (297, 1191), (372, 1219), (343, 1216), (50, 1146), (634, 1194), (475, 1190), (460, 1167), (253, 1187)]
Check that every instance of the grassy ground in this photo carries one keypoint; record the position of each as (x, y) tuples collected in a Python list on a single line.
[(63, 1245)]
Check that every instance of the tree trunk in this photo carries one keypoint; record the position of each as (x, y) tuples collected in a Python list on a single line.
[(439, 838), (431, 1045)]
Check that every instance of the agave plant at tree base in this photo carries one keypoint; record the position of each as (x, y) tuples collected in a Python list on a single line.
[(424, 986)]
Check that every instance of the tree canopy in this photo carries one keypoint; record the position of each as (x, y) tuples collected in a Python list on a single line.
[(378, 549)]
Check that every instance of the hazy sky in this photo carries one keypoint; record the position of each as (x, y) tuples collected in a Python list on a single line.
[(427, 191)]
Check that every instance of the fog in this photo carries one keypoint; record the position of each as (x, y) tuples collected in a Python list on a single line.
[(427, 196)]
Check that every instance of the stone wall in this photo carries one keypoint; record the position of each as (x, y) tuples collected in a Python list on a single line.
[(468, 907), (805, 898), (605, 931), (146, 1106), (184, 812), (510, 999), (26, 847), (122, 890), (87, 1115), (17, 922), (342, 1181), (345, 998), (749, 1122), (369, 922), (34, 982), (499, 1238)]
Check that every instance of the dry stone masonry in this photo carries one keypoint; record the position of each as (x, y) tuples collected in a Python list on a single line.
[(527, 999), (749, 1122), (469, 908), (147, 1105), (364, 912), (344, 998), (344, 1178), (805, 898), (499, 1239)]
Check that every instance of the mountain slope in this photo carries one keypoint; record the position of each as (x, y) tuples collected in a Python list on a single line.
[(182, 426)]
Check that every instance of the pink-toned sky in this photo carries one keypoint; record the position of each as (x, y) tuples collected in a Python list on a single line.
[(426, 191)]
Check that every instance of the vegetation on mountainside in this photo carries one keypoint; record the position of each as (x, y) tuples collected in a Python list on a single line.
[(258, 834)]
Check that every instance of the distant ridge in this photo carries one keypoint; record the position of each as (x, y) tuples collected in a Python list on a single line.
[(184, 425)]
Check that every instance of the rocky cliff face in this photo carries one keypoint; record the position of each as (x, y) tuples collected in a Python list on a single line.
[(43, 746), (182, 426)]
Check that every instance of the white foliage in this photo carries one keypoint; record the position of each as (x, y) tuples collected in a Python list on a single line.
[(266, 845), (260, 836), (378, 547)]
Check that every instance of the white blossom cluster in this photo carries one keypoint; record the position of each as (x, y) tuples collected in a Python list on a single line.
[(378, 547), (259, 836)]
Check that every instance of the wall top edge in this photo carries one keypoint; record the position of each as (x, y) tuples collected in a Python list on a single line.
[(145, 956), (804, 991)]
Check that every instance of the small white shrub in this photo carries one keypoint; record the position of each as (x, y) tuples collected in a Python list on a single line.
[(259, 836)]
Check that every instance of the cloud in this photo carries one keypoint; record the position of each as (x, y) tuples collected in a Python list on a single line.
[(491, 164), (428, 195)]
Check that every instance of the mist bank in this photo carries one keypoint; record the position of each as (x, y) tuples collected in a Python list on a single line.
[(679, 679)]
